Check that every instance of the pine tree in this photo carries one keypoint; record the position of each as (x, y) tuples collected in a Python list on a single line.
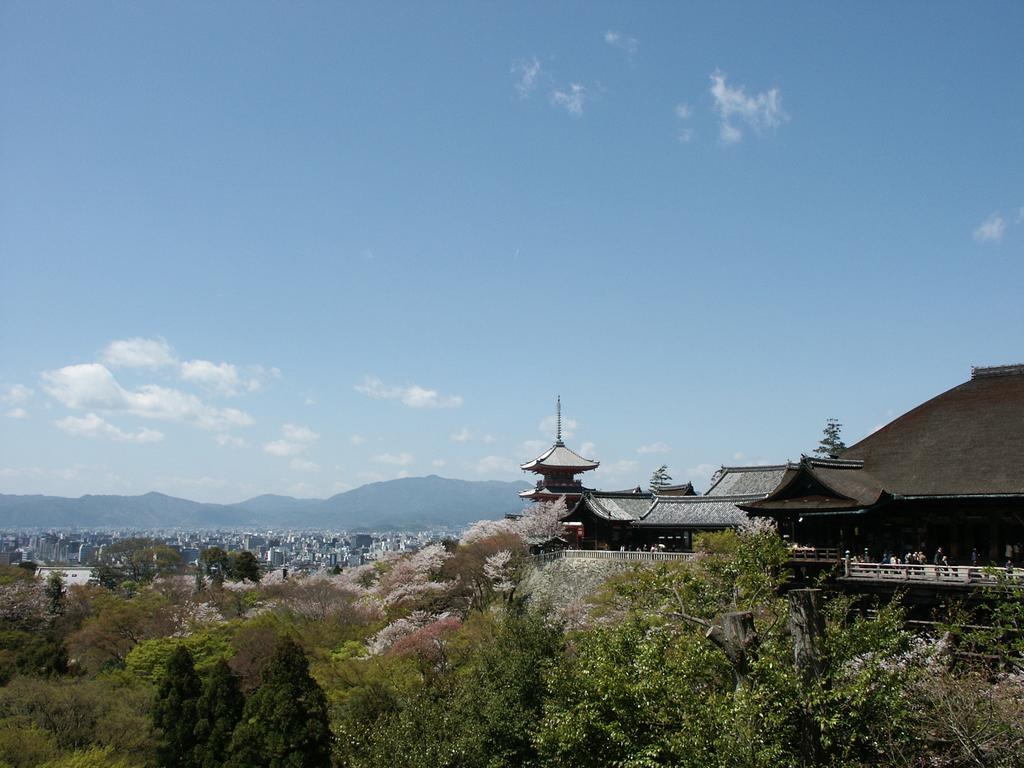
[(284, 723), (174, 713), (218, 711), (245, 567), (660, 479), (54, 591), (831, 444)]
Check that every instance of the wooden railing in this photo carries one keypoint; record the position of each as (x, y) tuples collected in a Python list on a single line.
[(967, 575), (814, 554), (622, 557)]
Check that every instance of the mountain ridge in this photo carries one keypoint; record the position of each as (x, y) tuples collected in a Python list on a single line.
[(405, 503)]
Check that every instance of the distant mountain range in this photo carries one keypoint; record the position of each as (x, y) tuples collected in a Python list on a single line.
[(408, 503)]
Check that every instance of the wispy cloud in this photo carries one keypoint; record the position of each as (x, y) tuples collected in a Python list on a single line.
[(224, 440), (139, 353), (304, 465), (549, 425), (395, 459), (16, 394), (94, 426), (413, 395), (357, 440), (991, 229), (91, 386), (224, 378), (623, 42), (462, 436), (16, 413), (658, 447), (295, 440), (496, 465), (760, 112), (527, 73), (572, 100), (683, 114)]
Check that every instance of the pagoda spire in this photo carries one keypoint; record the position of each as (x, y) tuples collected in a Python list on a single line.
[(558, 421)]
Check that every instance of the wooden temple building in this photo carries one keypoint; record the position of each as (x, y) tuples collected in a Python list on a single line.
[(670, 519), (948, 473)]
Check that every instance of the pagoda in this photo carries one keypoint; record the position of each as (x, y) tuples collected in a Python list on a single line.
[(558, 467)]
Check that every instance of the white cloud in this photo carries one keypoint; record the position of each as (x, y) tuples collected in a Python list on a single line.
[(16, 394), (17, 413), (739, 456), (462, 436), (760, 112), (397, 459), (991, 229), (91, 386), (618, 40), (92, 425), (528, 71), (282, 448), (299, 434), (488, 439), (139, 353), (658, 447), (357, 439), (534, 448), (548, 425), (572, 100), (684, 112), (701, 471), (618, 472), (438, 463), (226, 440), (222, 377), (587, 450), (309, 400), (413, 395), (496, 465), (304, 465), (295, 440)]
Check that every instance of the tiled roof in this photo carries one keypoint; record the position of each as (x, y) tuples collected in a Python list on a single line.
[(618, 506), (560, 457), (747, 481), (551, 490), (696, 512), (822, 485)]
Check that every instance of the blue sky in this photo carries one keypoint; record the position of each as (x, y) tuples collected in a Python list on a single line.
[(258, 247)]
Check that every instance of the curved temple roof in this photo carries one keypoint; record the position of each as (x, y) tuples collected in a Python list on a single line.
[(966, 441), (560, 457)]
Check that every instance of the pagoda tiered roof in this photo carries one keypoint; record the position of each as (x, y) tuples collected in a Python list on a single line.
[(558, 457)]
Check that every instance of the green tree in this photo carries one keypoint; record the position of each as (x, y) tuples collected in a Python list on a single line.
[(215, 562), (217, 714), (54, 592), (174, 712), (660, 479), (831, 444), (141, 559), (284, 723), (244, 566)]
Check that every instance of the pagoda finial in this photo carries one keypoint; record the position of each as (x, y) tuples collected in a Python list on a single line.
[(558, 421)]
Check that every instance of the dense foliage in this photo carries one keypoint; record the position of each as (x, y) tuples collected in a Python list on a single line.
[(440, 658)]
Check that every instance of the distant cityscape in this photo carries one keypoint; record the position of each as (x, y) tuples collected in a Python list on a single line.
[(298, 551)]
